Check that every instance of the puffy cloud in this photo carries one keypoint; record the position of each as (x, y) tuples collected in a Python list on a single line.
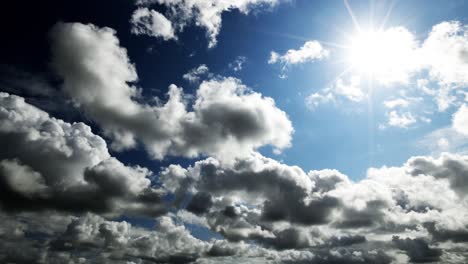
[(152, 23), (283, 208), (228, 119), (310, 51), (403, 120), (283, 192), (206, 13), (418, 250), (460, 120), (391, 215), (350, 90), (238, 63), (446, 53), (46, 163), (195, 74), (93, 239)]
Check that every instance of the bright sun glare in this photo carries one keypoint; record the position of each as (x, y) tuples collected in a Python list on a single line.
[(386, 55), (383, 54)]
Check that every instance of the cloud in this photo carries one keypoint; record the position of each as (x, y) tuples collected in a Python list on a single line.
[(293, 217), (194, 75), (446, 53), (206, 14), (418, 250), (238, 63), (402, 120), (350, 90), (151, 23), (310, 51), (400, 102), (282, 207), (227, 118), (460, 120), (46, 163)]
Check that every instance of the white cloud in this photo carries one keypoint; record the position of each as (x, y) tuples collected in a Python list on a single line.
[(400, 119), (316, 99), (350, 90), (238, 63), (195, 74), (399, 102), (310, 51), (446, 53), (152, 23), (226, 119), (460, 120), (206, 13)]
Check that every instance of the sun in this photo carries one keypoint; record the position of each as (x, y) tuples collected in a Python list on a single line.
[(382, 54), (368, 52)]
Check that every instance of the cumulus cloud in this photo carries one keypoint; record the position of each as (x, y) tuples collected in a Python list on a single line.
[(293, 217), (282, 207), (46, 163), (152, 23), (227, 118), (206, 14)]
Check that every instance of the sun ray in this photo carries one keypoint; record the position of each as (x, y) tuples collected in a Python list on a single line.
[(353, 17)]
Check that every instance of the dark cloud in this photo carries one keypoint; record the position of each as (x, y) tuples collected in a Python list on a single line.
[(418, 249), (47, 163)]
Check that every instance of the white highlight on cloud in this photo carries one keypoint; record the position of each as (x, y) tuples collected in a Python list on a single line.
[(151, 23), (238, 63), (226, 119), (460, 120), (195, 74), (310, 51), (400, 119), (399, 102), (204, 13), (350, 90), (445, 52)]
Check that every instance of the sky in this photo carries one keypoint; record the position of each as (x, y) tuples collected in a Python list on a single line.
[(213, 131)]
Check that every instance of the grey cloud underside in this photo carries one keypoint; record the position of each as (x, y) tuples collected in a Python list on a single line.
[(46, 163)]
